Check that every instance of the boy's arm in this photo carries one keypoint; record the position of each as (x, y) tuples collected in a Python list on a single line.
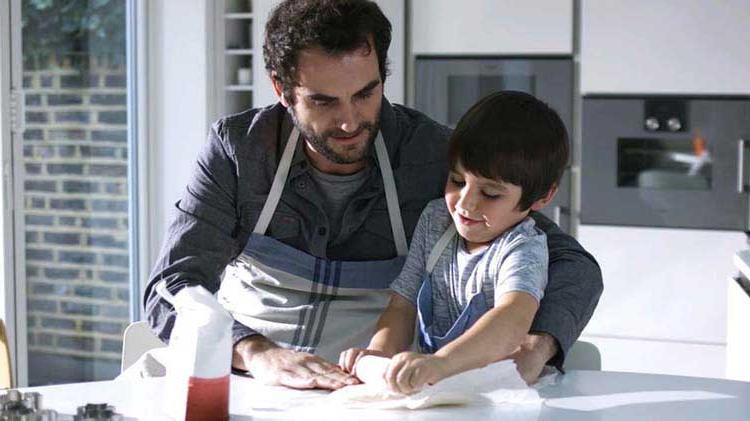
[(494, 336), (394, 332)]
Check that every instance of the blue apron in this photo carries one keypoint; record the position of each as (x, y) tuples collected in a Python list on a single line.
[(303, 302), (429, 339)]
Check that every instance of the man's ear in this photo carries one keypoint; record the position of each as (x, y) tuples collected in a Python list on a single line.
[(278, 89), (544, 201)]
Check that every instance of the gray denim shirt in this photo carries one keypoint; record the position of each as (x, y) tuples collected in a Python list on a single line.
[(234, 173)]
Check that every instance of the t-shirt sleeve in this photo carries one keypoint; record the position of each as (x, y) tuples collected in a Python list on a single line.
[(524, 267), (410, 279)]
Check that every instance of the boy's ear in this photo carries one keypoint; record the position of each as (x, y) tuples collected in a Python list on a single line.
[(544, 201), (278, 89)]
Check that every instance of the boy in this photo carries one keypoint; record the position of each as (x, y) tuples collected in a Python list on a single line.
[(477, 266)]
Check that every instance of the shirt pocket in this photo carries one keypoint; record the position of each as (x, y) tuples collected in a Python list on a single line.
[(284, 226)]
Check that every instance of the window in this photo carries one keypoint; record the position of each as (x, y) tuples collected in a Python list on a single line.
[(74, 166)]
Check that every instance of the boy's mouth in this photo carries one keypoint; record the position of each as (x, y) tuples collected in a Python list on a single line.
[(467, 221)]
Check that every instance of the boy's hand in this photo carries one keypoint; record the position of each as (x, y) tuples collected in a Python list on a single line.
[(409, 372), (348, 359)]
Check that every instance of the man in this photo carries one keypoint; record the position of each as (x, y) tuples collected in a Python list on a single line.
[(298, 214)]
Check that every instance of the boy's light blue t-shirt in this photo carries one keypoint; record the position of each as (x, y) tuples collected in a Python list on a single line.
[(516, 261)]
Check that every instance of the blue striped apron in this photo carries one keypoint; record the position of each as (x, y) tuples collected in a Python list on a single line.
[(307, 303), (429, 339)]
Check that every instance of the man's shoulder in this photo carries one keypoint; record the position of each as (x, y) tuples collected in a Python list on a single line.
[(421, 139), (250, 125)]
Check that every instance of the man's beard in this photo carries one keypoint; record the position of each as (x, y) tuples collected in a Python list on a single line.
[(349, 154)]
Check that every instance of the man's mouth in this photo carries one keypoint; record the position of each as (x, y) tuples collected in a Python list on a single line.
[(346, 136)]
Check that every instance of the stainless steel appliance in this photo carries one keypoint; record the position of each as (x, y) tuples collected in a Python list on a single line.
[(446, 87), (666, 161)]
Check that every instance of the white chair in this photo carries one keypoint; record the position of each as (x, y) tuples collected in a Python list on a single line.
[(583, 356), (137, 339)]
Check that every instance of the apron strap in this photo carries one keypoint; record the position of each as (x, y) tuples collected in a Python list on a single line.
[(437, 250), (278, 184), (391, 197)]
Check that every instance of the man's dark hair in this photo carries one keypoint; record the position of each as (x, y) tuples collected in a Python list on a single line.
[(336, 26), (515, 138)]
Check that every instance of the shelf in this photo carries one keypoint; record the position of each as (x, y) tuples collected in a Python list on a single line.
[(238, 52), (238, 16), (239, 88)]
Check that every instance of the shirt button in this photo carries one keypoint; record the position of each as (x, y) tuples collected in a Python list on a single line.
[(301, 185), (322, 231)]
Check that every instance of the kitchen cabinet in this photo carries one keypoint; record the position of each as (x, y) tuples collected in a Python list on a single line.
[(665, 46), (491, 27), (665, 288)]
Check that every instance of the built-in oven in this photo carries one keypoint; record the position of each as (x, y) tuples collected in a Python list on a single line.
[(666, 161), (446, 87)]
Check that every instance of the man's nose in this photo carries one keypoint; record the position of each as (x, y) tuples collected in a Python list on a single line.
[(348, 118)]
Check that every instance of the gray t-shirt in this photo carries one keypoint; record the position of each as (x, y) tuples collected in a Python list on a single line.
[(516, 261), (337, 190)]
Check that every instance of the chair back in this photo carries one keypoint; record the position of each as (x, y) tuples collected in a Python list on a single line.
[(583, 356), (6, 373), (137, 339)]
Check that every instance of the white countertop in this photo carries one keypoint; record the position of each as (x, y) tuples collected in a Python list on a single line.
[(578, 395)]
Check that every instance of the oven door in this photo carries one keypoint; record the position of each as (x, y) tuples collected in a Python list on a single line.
[(447, 87), (691, 177)]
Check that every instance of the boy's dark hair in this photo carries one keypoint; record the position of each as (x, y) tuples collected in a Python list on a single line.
[(515, 138), (336, 26)]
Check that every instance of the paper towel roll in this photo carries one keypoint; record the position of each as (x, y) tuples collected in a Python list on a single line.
[(370, 369)]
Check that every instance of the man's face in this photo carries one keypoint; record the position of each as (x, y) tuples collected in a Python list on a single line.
[(337, 105)]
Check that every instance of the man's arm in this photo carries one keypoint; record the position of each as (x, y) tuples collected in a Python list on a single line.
[(573, 289), (202, 238)]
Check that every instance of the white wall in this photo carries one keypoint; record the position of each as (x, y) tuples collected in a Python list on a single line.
[(178, 103), (5, 223)]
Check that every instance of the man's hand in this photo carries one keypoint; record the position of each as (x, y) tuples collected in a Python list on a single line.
[(409, 372), (274, 365), (348, 359), (533, 354)]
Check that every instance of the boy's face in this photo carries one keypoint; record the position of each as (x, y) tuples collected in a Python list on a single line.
[(481, 208)]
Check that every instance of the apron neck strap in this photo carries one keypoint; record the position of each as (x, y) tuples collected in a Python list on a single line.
[(437, 250), (391, 195)]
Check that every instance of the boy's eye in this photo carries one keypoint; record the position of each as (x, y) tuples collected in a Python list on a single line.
[(491, 195)]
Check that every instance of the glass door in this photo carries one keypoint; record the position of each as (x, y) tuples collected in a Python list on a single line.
[(74, 171)]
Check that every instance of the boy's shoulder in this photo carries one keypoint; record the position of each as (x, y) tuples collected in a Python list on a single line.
[(524, 231), (437, 212)]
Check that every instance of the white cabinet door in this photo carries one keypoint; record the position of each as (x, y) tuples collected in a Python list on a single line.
[(475, 27), (660, 357), (662, 284), (395, 87), (665, 46)]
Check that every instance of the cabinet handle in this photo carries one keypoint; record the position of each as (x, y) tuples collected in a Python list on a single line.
[(741, 146), (557, 215)]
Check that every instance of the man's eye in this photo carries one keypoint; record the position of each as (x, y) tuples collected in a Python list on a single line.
[(364, 95), (457, 182), (319, 103), (491, 195)]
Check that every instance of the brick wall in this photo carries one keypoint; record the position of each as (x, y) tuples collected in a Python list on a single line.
[(76, 212)]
